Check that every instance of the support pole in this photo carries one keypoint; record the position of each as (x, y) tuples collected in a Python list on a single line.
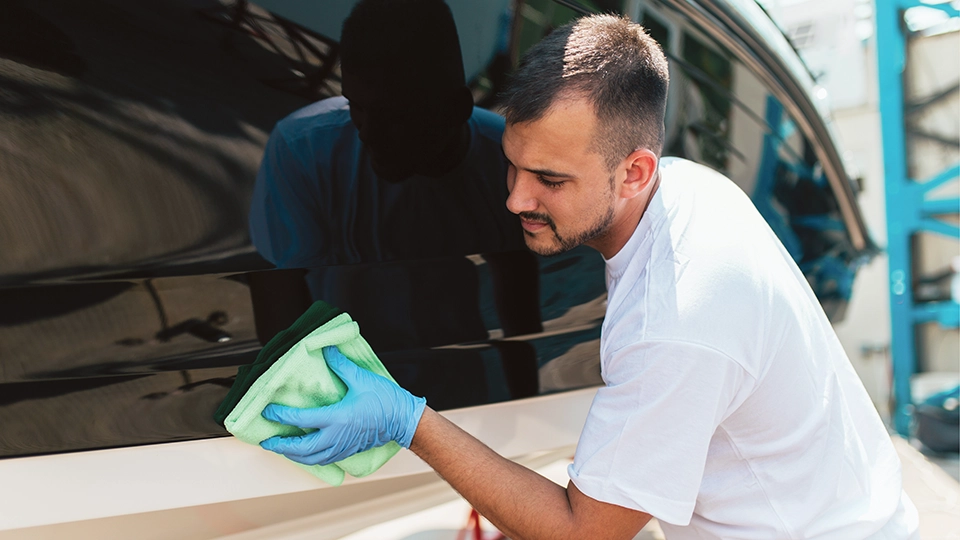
[(908, 210)]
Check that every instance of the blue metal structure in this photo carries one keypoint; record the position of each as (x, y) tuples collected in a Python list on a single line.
[(910, 209)]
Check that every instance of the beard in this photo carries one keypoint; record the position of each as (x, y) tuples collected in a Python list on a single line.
[(566, 242), (563, 243)]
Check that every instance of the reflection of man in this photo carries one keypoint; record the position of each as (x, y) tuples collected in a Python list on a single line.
[(403, 172), (385, 172), (402, 168), (729, 409)]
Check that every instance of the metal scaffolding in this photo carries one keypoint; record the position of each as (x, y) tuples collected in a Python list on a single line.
[(910, 207)]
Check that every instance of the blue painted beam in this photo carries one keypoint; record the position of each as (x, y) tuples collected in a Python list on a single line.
[(901, 218), (908, 210), (940, 227), (945, 7), (945, 313), (941, 178), (939, 207)]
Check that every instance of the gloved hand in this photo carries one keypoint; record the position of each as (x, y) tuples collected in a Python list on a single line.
[(374, 412)]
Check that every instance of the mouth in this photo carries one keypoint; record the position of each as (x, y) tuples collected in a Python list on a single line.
[(532, 226)]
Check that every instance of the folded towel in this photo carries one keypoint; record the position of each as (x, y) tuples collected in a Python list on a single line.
[(314, 317), (301, 378)]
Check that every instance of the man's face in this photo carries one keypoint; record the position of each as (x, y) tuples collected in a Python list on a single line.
[(559, 186)]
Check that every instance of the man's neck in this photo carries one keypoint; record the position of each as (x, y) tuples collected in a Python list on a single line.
[(624, 225)]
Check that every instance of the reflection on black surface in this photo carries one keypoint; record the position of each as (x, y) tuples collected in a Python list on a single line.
[(29, 38), (130, 139), (406, 169), (131, 133), (21, 306), (310, 56), (381, 194), (104, 412)]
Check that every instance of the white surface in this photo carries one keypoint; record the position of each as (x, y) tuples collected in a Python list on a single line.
[(442, 520), (88, 485), (401, 507)]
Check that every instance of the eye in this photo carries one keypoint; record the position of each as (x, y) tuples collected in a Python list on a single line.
[(548, 183)]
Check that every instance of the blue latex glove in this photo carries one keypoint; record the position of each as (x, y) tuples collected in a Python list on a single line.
[(374, 412)]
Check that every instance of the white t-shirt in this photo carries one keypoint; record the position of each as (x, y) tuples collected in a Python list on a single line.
[(730, 409)]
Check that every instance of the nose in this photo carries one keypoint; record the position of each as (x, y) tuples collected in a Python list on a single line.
[(522, 197)]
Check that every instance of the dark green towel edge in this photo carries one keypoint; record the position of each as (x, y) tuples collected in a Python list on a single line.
[(318, 314)]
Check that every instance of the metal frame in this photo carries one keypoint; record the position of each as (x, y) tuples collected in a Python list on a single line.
[(910, 209)]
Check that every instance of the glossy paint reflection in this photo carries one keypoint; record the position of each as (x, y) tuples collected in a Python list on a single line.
[(129, 289), (131, 136)]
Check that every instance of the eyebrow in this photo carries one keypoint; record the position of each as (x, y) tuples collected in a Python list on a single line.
[(541, 172), (548, 172)]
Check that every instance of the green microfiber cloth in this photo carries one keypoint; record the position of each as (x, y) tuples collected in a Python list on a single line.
[(314, 317), (301, 378)]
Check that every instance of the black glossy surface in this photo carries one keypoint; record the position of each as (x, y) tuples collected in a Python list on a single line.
[(130, 139)]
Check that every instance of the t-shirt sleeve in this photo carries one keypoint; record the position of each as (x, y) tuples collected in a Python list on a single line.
[(284, 209), (644, 444)]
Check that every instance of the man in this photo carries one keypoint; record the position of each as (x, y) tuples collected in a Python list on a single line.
[(729, 408)]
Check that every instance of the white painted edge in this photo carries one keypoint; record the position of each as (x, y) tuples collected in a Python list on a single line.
[(62, 488), (334, 524)]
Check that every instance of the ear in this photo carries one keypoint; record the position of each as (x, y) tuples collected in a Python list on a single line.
[(641, 167)]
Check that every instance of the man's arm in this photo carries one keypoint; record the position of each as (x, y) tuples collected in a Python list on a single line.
[(375, 410), (520, 502)]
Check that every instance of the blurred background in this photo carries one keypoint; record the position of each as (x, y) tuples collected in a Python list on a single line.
[(917, 348)]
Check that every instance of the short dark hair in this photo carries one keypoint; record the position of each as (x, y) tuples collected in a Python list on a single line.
[(608, 59)]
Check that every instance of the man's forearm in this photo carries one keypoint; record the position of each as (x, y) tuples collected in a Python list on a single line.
[(520, 502), (375, 410)]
